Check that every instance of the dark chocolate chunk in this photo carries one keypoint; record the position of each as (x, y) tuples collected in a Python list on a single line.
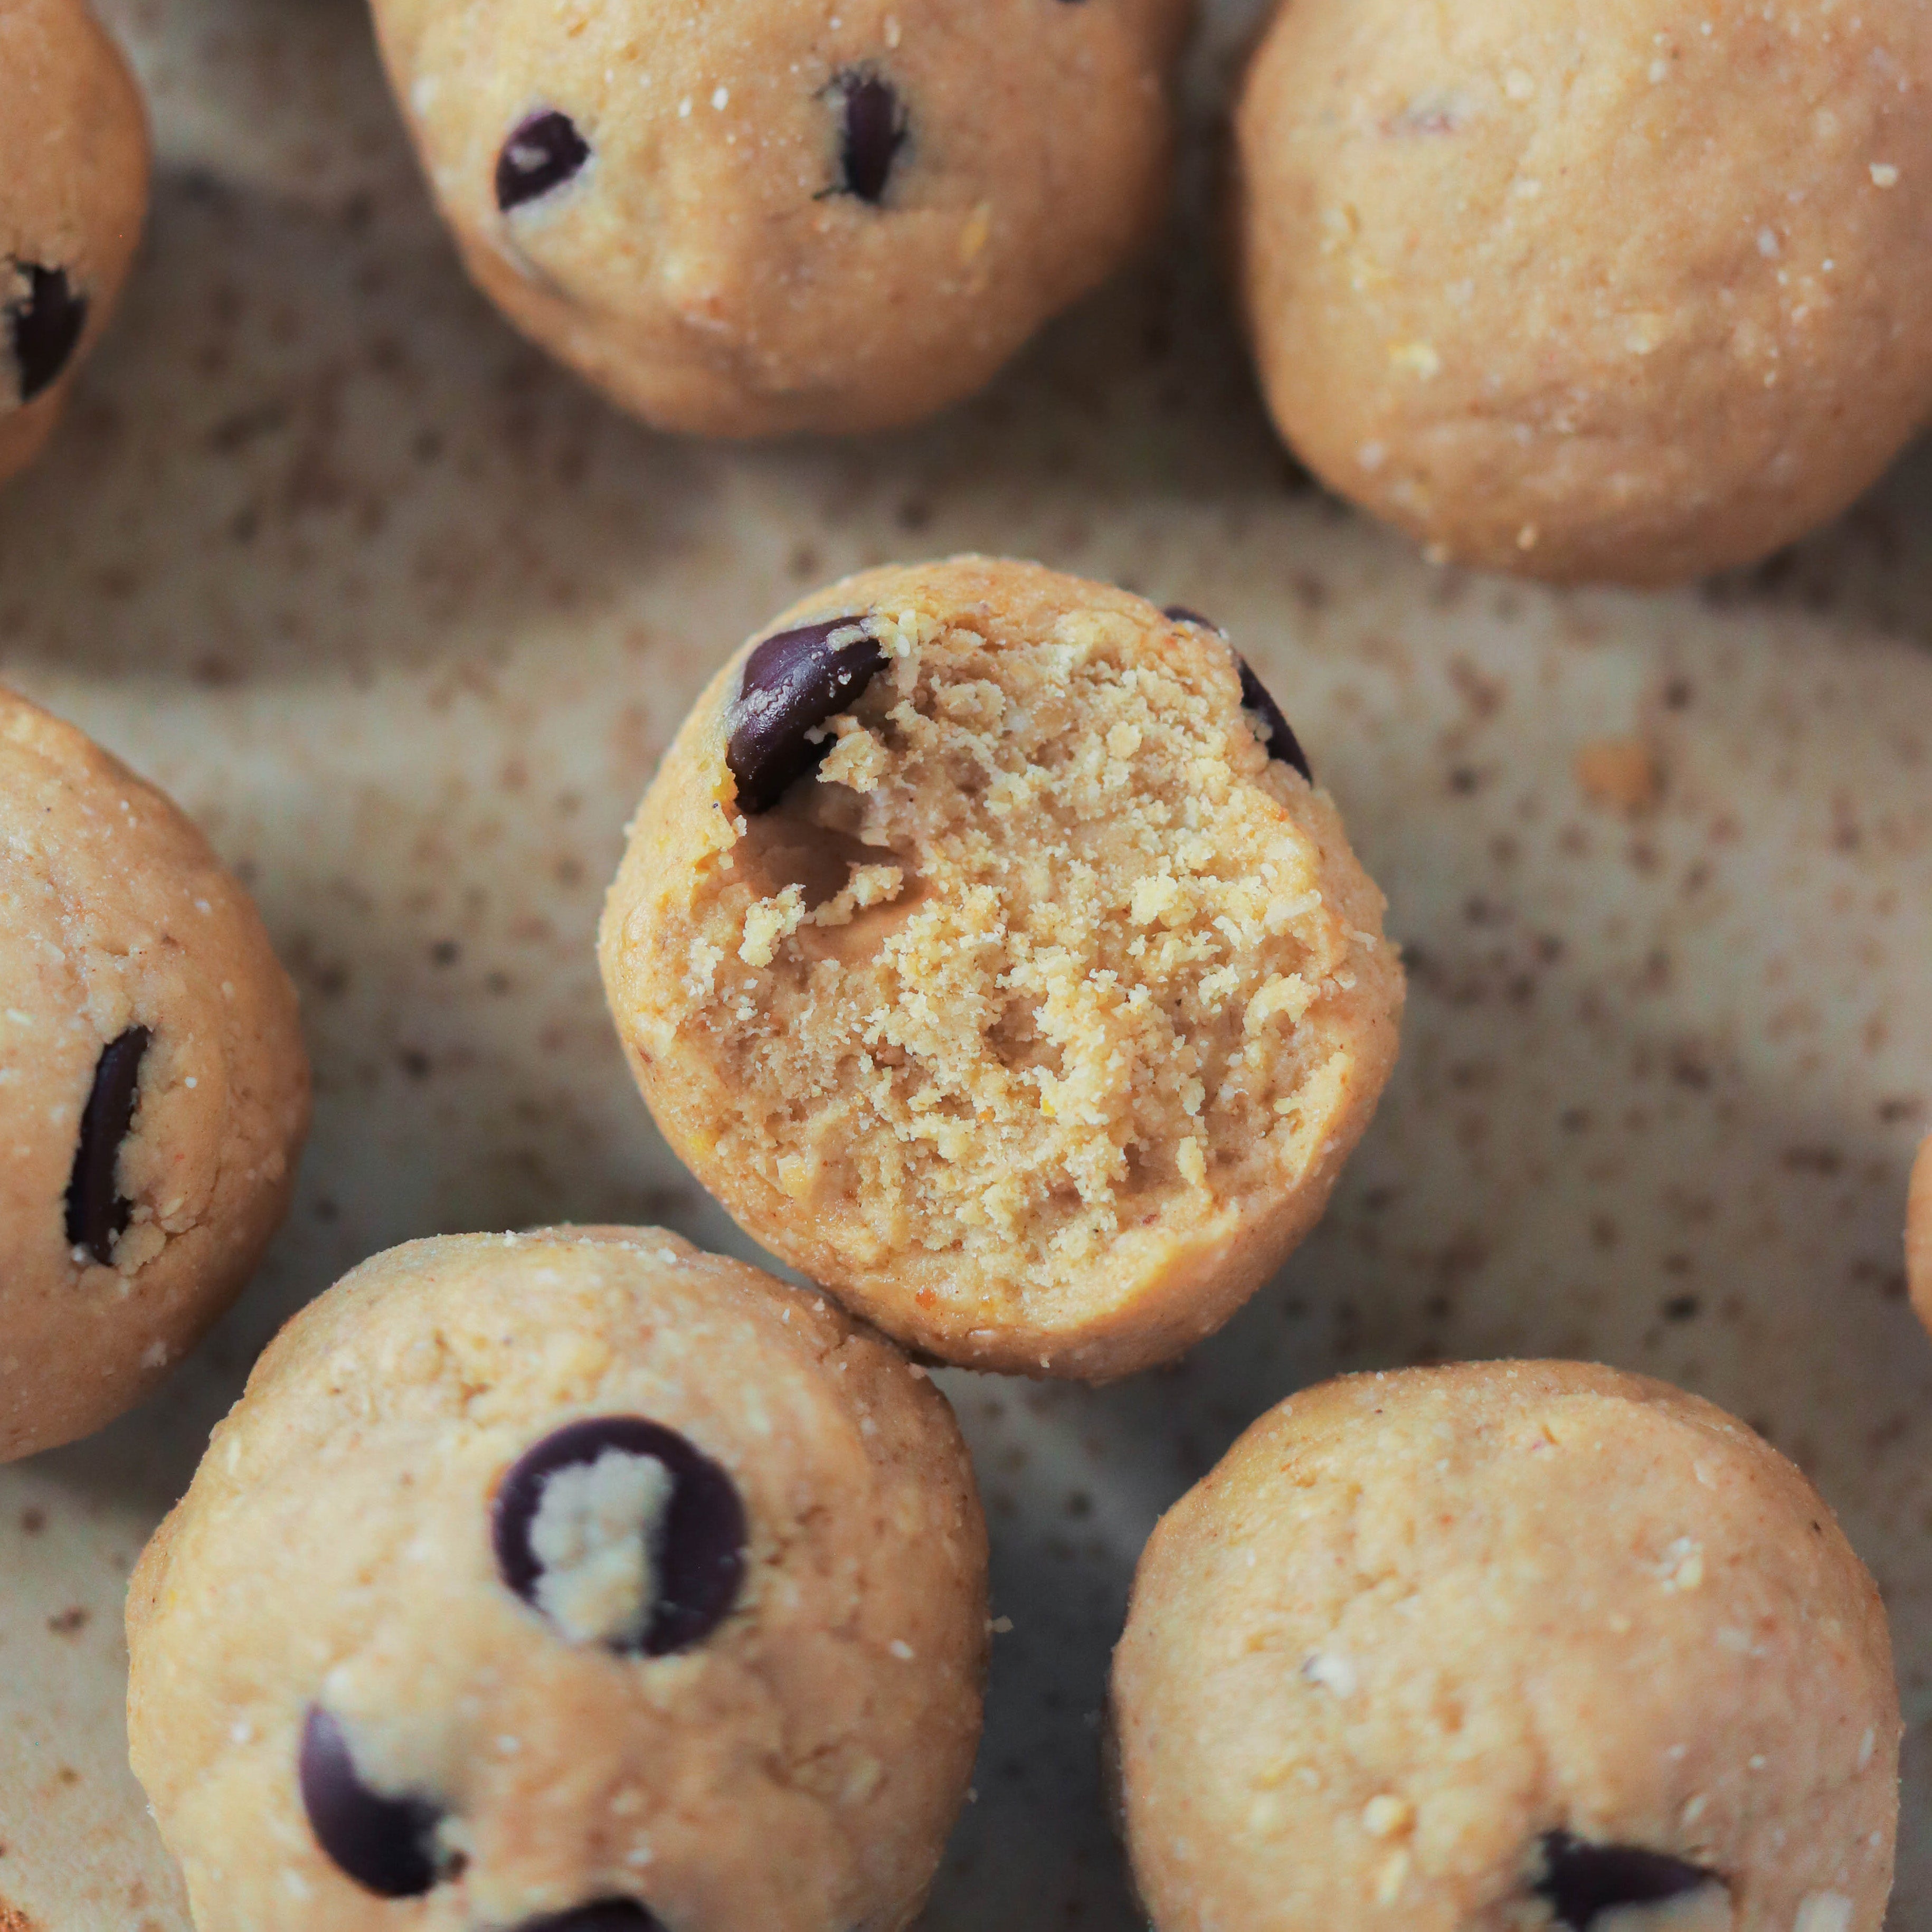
[(1581, 1879), (386, 1845), (604, 1915), (544, 150), (792, 684), (96, 1213), (700, 1553), (45, 326), (1279, 737), (1179, 613), (874, 132)]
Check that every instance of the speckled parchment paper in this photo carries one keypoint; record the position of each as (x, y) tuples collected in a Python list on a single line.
[(404, 616)]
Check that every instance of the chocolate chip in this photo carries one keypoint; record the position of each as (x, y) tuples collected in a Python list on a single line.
[(688, 1541), (792, 684), (1179, 613), (605, 1915), (874, 131), (1279, 736), (386, 1845), (544, 150), (1581, 1879), (46, 326), (96, 1213)]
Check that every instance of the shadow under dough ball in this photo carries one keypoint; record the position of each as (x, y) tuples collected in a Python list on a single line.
[(1519, 1644), (155, 1092), (73, 192), (568, 1581), (1631, 297), (984, 947), (749, 219)]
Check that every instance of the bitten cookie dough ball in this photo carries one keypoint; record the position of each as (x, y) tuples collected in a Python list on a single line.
[(1918, 1233), (1500, 1647), (575, 1580), (153, 1093), (1633, 293), (984, 946), (74, 189), (746, 217)]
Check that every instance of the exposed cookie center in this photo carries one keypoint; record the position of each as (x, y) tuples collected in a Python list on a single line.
[(597, 1537)]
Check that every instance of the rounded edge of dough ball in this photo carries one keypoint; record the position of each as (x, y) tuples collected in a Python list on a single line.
[(1918, 1233), (76, 193), (706, 265), (1561, 296), (119, 917), (1095, 1221), (1414, 1622), (798, 1764)]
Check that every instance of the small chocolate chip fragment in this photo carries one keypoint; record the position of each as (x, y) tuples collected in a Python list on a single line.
[(874, 131), (45, 327), (605, 1915), (386, 1845), (649, 1565), (1581, 1880), (544, 150), (792, 684), (1279, 736), (96, 1213)]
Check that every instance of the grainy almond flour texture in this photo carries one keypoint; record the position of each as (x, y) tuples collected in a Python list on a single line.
[(573, 1579), (1503, 1647), (982, 945), (153, 1090), (73, 192), (1623, 291)]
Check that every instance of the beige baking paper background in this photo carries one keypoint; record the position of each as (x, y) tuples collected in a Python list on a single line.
[(404, 616)]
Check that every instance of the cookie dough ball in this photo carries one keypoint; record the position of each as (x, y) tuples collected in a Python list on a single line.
[(1633, 294), (575, 1580), (1500, 1647), (153, 1093), (1918, 1233), (984, 946), (73, 189), (745, 218)]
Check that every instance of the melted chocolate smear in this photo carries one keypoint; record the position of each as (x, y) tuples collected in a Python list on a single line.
[(1279, 737), (45, 326), (874, 131), (700, 1561), (604, 1915), (543, 152), (386, 1845), (96, 1213), (1581, 1879), (792, 684)]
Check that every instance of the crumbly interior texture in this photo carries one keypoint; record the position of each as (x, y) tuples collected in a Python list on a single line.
[(798, 1769), (1918, 1233), (1414, 1622), (115, 914), (1618, 292), (1040, 1020), (74, 162), (707, 268)]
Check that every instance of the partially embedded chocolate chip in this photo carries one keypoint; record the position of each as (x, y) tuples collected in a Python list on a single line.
[(1279, 737), (621, 1531), (792, 684), (874, 131), (604, 1915), (46, 325), (544, 150), (96, 1213), (386, 1845), (1580, 1879)]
